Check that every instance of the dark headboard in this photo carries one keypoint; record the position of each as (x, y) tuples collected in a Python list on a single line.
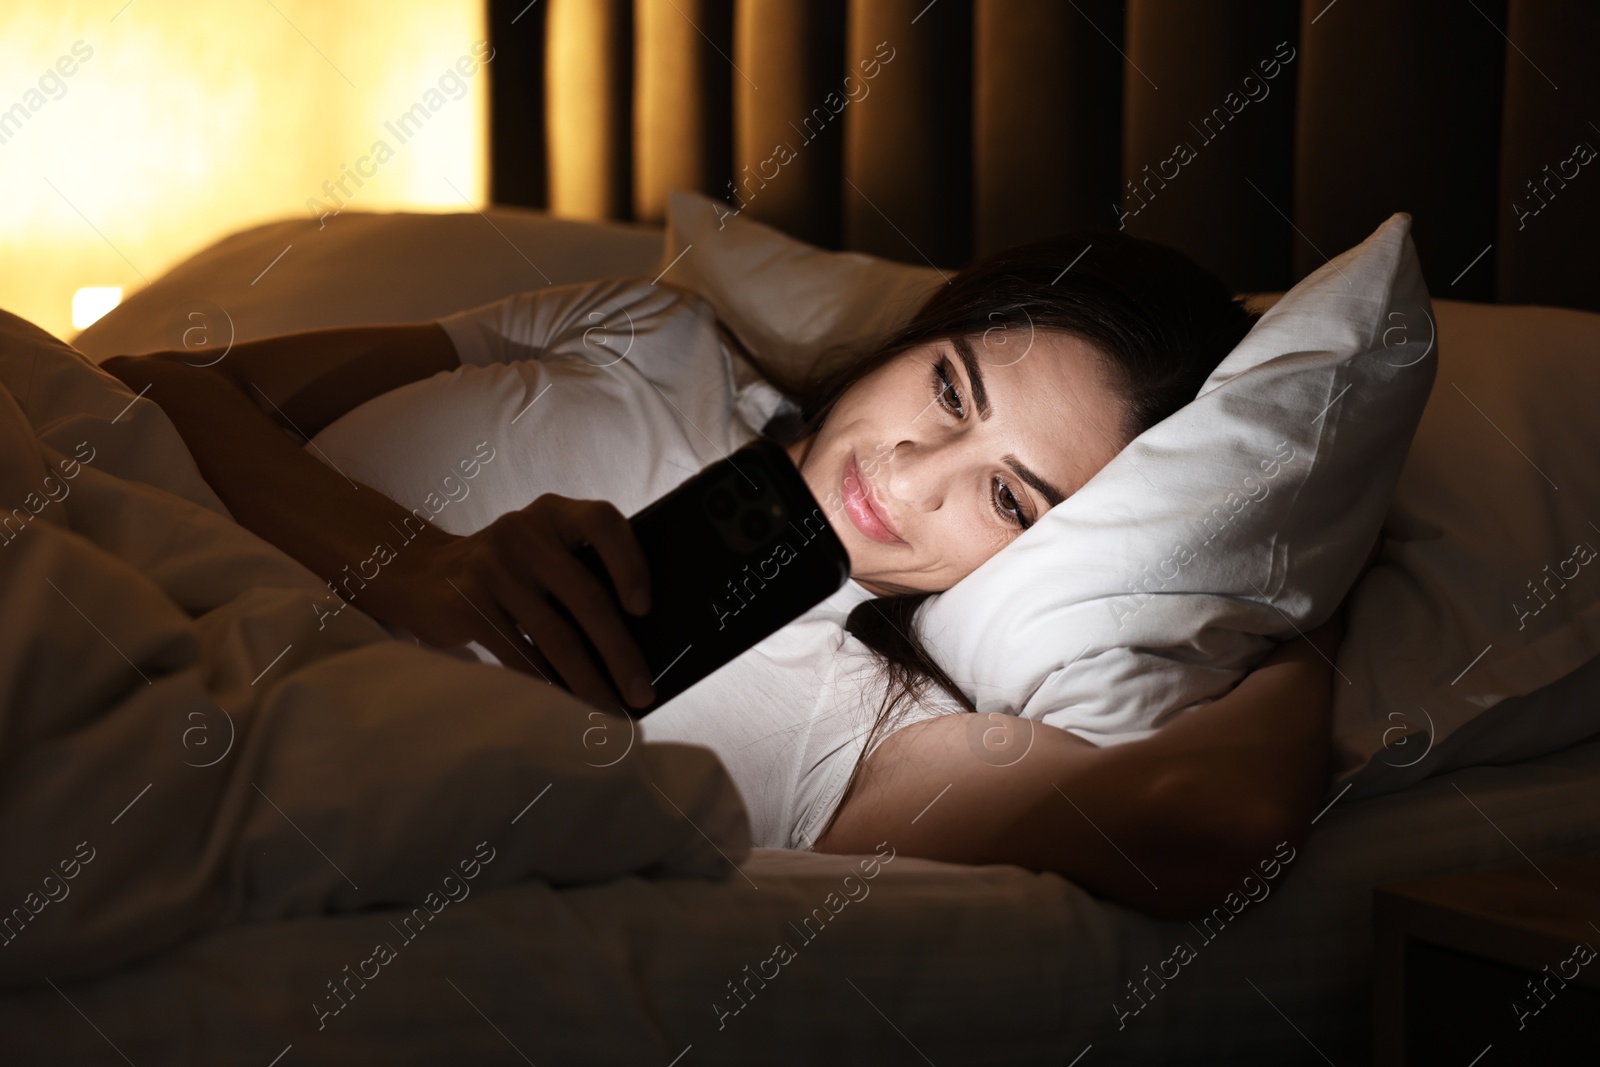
[(982, 123)]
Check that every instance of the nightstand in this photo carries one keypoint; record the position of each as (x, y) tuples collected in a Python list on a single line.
[(1489, 968)]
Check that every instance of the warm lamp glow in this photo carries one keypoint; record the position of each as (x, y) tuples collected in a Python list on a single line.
[(133, 135), (90, 303)]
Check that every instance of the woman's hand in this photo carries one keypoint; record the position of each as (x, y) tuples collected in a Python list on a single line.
[(500, 587)]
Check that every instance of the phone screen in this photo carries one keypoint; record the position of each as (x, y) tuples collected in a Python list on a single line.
[(735, 553)]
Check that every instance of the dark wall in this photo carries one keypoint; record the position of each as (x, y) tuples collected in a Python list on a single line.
[(1260, 138)]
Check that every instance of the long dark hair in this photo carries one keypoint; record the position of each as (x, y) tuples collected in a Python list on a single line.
[(1159, 322)]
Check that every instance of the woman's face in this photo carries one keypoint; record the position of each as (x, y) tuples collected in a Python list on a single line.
[(938, 459)]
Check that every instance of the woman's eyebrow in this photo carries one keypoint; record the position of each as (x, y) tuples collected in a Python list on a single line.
[(980, 395), (1051, 494), (964, 349)]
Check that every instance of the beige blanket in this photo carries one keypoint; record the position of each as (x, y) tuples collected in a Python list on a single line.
[(186, 743)]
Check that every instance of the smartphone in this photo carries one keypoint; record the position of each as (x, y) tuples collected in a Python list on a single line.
[(735, 553)]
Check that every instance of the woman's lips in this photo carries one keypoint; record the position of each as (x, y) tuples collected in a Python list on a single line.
[(858, 504)]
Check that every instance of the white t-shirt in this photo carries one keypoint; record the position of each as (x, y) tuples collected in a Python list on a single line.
[(620, 390)]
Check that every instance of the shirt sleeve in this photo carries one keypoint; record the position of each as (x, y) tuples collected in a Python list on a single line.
[(597, 321), (847, 707)]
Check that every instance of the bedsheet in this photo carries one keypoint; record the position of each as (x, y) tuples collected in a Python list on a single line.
[(922, 962), (978, 966)]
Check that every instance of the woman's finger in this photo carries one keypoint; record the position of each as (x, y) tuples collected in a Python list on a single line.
[(561, 645), (497, 631), (519, 593), (527, 550), (591, 604), (604, 527), (527, 562)]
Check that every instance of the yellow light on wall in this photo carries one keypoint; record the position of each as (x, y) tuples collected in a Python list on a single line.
[(90, 303), (131, 136)]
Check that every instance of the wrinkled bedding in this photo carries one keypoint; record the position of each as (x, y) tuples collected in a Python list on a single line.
[(176, 707)]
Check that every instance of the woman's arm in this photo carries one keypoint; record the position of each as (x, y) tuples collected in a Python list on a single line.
[(232, 412), (492, 587), (1168, 824), (307, 380)]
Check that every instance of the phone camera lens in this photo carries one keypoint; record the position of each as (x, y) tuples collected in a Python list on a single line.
[(721, 505), (751, 485), (755, 525)]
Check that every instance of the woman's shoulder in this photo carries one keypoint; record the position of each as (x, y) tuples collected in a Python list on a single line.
[(648, 322), (641, 296), (551, 314)]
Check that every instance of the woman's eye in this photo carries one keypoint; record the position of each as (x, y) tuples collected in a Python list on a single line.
[(1007, 507), (946, 389)]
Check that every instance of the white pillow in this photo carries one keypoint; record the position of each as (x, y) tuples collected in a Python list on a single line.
[(787, 301), (1241, 518)]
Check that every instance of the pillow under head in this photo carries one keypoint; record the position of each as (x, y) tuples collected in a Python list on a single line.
[(1238, 520)]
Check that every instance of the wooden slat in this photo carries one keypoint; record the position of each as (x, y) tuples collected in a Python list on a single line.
[(518, 159), (682, 102), (1548, 234), (1399, 110), (1047, 118), (589, 93), (908, 145), (1208, 136), (997, 121), (792, 52)]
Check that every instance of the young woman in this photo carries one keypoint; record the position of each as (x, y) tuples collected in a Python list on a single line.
[(1008, 390)]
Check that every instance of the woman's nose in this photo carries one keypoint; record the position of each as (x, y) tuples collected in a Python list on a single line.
[(920, 473)]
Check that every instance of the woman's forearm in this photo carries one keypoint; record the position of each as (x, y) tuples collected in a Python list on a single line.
[(272, 486), (231, 413), (1207, 797), (1248, 770), (307, 380), (1168, 824)]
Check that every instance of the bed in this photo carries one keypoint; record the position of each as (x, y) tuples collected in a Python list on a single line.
[(634, 923), (1025, 969)]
